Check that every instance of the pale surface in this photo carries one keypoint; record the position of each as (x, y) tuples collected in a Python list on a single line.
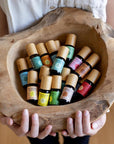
[(103, 137)]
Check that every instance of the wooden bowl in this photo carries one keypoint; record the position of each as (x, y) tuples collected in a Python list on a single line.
[(55, 25)]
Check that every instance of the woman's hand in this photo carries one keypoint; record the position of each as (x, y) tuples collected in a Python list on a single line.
[(24, 128), (81, 126)]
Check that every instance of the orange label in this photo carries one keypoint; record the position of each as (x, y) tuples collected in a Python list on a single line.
[(46, 60)]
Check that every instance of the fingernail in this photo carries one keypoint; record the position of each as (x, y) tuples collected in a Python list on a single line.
[(95, 125), (35, 116), (70, 120), (25, 112), (86, 113), (78, 114)]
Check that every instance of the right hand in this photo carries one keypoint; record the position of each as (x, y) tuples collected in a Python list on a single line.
[(23, 129)]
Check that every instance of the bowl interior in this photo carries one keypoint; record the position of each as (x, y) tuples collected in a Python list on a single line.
[(86, 36)]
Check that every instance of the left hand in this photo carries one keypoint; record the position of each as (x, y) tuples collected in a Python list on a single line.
[(82, 126)]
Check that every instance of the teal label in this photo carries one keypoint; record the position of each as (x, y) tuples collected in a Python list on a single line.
[(53, 57), (24, 78), (58, 65), (71, 52), (54, 98), (36, 61)]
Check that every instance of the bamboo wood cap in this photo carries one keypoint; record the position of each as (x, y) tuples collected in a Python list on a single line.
[(71, 40), (56, 82), (31, 49), (44, 71), (46, 83), (29, 62), (84, 52), (94, 76), (32, 77), (21, 64), (57, 43), (51, 46), (63, 52), (41, 48), (93, 59), (65, 72), (72, 80)]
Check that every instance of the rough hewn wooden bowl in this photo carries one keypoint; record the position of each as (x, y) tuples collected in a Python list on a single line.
[(55, 25)]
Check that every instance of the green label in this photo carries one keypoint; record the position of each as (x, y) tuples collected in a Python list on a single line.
[(36, 61), (58, 65), (71, 52), (54, 98)]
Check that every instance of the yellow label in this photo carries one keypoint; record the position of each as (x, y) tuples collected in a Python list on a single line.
[(43, 99), (32, 92)]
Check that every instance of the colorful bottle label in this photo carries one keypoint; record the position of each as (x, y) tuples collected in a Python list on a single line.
[(53, 57), (32, 93), (84, 89), (24, 78), (58, 65), (54, 98), (43, 99), (71, 52), (46, 60), (67, 94), (76, 62), (36, 62), (63, 85), (83, 70)]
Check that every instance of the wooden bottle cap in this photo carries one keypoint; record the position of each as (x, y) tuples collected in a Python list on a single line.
[(41, 48), (32, 77), (44, 71), (63, 52), (72, 80), (29, 62), (71, 40), (84, 52), (56, 82), (21, 64), (46, 83), (31, 49), (57, 43), (93, 59), (94, 76), (65, 72), (51, 46)]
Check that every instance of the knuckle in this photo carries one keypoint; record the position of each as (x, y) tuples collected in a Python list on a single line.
[(24, 130), (78, 134)]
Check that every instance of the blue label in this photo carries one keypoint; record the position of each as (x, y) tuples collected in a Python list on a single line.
[(71, 52), (53, 57), (36, 61), (24, 78), (58, 65)]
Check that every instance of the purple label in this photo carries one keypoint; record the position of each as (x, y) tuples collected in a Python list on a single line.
[(75, 63)]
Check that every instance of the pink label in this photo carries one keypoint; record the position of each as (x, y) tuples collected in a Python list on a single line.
[(75, 63), (84, 89), (67, 94)]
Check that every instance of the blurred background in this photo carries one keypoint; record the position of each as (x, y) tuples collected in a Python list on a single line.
[(105, 136)]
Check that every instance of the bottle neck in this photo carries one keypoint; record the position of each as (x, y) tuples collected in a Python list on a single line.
[(34, 55), (70, 86), (44, 91)]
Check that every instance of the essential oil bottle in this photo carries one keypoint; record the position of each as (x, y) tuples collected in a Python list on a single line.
[(85, 67), (68, 90), (44, 71), (33, 54), (65, 72), (44, 91), (52, 49), (88, 84), (23, 71), (45, 58), (57, 43), (59, 62), (55, 90), (30, 67), (32, 87), (79, 59), (70, 43)]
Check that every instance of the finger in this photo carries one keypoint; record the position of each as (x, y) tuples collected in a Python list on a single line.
[(35, 126), (6, 120), (86, 122), (78, 124), (70, 127), (65, 133), (46, 132), (53, 134)]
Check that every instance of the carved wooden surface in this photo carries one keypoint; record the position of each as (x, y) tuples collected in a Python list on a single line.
[(56, 25)]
